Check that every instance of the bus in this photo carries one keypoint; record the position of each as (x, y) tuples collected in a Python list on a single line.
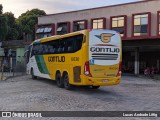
[(83, 58)]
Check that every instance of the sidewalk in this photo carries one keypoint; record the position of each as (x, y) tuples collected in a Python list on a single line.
[(7, 75), (155, 77)]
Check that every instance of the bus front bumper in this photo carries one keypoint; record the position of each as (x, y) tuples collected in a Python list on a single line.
[(104, 81)]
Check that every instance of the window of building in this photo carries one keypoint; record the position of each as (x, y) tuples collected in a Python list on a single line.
[(63, 28), (79, 25), (98, 23), (45, 31), (118, 24), (38, 30), (141, 24)]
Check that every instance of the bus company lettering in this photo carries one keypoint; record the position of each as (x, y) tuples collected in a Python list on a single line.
[(74, 58), (56, 59), (98, 49)]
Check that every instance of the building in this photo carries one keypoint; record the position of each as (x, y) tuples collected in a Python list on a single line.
[(12, 53), (137, 22)]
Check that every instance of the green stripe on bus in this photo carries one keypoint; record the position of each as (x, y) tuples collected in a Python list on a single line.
[(44, 65), (41, 64)]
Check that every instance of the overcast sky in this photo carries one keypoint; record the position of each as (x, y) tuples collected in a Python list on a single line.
[(55, 6)]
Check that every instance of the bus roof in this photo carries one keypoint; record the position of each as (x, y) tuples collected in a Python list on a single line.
[(55, 37)]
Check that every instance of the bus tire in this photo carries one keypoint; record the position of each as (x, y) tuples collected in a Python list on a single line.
[(95, 87), (32, 74), (59, 80), (66, 82)]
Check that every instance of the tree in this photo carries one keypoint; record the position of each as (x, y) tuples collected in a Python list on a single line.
[(3, 27), (28, 20), (12, 26), (10, 18), (1, 9)]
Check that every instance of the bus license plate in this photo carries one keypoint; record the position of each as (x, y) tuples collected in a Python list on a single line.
[(105, 80)]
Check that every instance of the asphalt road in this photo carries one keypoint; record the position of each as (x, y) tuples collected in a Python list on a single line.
[(133, 94)]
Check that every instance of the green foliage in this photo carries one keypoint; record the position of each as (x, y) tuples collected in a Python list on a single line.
[(1, 9), (12, 26), (12, 34), (20, 31), (28, 20), (3, 27), (10, 18)]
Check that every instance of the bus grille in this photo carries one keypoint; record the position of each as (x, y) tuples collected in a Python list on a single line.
[(100, 56)]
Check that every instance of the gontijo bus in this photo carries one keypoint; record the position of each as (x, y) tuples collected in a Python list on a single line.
[(88, 57)]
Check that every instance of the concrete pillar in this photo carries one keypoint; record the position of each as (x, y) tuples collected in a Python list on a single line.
[(136, 63)]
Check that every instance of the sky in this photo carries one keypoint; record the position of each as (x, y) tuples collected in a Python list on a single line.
[(17, 7)]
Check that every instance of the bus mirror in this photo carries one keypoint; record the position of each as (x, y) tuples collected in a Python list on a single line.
[(84, 39)]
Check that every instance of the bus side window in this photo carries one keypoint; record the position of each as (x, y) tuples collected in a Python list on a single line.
[(65, 49), (63, 46), (57, 46), (52, 50), (39, 49), (78, 42), (36, 50), (59, 49), (45, 49), (29, 52), (74, 43), (69, 45), (52, 47), (33, 50), (70, 49)]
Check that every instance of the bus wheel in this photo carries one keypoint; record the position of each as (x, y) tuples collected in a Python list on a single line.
[(95, 87), (66, 82), (59, 80), (32, 74)]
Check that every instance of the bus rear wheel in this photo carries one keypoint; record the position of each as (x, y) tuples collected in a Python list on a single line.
[(32, 74), (59, 80), (66, 82)]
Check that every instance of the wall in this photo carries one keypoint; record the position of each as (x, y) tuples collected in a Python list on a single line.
[(20, 55), (116, 10)]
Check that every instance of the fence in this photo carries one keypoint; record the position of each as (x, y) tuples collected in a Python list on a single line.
[(7, 72)]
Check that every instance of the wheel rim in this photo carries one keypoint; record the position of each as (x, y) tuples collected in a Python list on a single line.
[(58, 80), (66, 83)]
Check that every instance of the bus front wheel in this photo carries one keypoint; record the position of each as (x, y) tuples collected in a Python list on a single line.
[(66, 82), (59, 80), (32, 74)]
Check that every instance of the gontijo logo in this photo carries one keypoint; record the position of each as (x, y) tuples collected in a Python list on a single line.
[(105, 37)]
